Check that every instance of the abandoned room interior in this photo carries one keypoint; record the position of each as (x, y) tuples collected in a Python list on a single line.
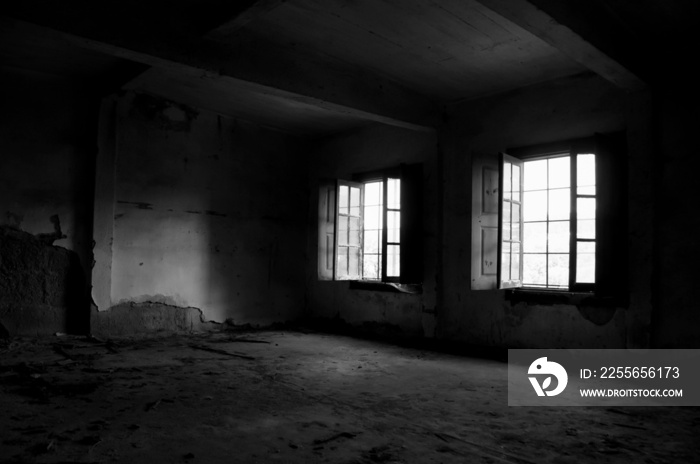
[(310, 230)]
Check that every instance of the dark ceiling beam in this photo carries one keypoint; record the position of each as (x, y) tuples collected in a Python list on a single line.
[(164, 38), (563, 36)]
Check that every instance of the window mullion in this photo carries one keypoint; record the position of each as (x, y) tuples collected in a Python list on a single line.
[(573, 220), (385, 199)]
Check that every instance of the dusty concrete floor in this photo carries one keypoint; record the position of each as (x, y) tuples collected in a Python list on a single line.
[(299, 397)]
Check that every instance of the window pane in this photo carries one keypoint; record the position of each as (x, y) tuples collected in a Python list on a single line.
[(394, 193), (354, 201), (586, 190), (535, 175), (585, 262), (505, 261), (393, 261), (585, 208), (534, 269), (515, 261), (559, 204), (373, 193), (516, 222), (371, 267), (558, 270), (355, 231), (342, 261), (535, 206), (506, 220), (585, 228), (393, 232), (535, 237), (343, 199), (354, 261), (373, 217), (372, 239), (507, 185), (343, 230), (559, 237), (585, 171), (559, 172), (516, 182)]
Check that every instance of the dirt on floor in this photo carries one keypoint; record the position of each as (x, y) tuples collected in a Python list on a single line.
[(290, 396)]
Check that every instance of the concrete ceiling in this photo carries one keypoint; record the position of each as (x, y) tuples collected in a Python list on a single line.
[(319, 66)]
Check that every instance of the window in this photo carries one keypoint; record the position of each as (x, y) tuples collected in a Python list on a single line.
[(548, 222), (373, 231), (552, 218)]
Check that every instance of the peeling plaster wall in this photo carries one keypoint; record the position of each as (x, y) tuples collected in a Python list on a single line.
[(339, 157), (557, 110), (47, 141), (206, 216)]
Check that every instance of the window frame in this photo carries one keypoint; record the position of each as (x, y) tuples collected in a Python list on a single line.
[(570, 148), (410, 239), (382, 175)]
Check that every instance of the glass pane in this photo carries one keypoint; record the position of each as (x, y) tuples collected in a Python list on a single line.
[(559, 204), (558, 270), (355, 232), (586, 190), (507, 185), (393, 261), (585, 228), (343, 199), (506, 220), (585, 208), (535, 206), (394, 193), (505, 261), (372, 241), (373, 193), (534, 269), (585, 263), (393, 219), (515, 262), (585, 247), (354, 201), (343, 230), (373, 217), (559, 237), (516, 222), (535, 237), (370, 269), (342, 261), (354, 261), (535, 175), (516, 182), (559, 172), (585, 170)]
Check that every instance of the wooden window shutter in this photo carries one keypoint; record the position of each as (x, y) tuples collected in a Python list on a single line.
[(484, 244), (326, 229)]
